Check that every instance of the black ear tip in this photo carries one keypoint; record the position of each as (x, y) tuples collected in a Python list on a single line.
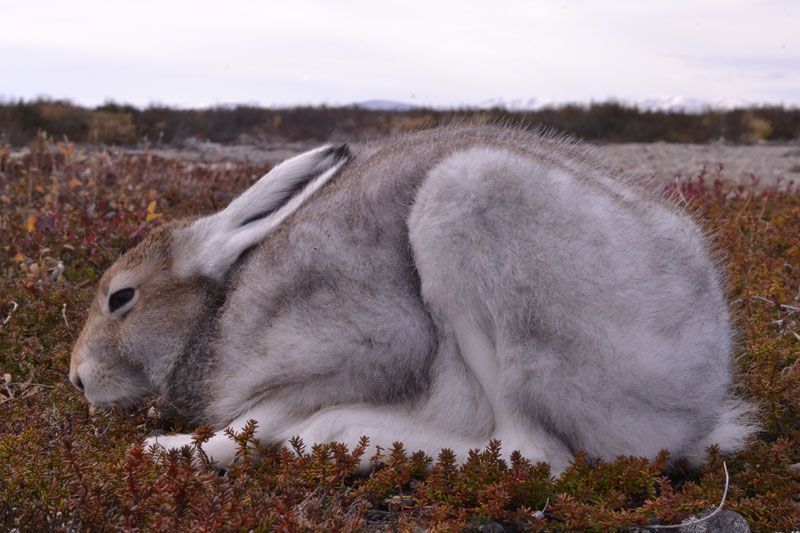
[(340, 152)]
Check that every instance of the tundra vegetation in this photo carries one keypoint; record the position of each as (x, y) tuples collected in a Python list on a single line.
[(66, 213)]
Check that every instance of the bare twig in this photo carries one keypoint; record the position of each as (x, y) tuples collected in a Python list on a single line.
[(540, 513), (705, 518), (757, 298), (14, 307), (786, 307), (64, 314)]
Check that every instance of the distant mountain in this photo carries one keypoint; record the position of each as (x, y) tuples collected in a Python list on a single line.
[(678, 104), (384, 105), (675, 104)]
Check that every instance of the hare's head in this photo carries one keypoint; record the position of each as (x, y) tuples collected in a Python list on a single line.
[(142, 318), (158, 298)]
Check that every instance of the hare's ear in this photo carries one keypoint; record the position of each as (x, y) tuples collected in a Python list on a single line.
[(209, 246)]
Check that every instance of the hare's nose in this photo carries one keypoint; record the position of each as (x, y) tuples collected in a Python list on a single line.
[(76, 380)]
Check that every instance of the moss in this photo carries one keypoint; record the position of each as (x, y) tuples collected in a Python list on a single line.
[(67, 213)]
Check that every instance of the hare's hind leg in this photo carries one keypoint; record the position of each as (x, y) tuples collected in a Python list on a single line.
[(454, 228), (383, 426)]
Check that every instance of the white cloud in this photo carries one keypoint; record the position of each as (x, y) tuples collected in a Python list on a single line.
[(443, 53)]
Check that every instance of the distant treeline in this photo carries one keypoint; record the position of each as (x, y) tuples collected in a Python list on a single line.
[(21, 121)]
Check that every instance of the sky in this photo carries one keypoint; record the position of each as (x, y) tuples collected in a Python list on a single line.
[(441, 53)]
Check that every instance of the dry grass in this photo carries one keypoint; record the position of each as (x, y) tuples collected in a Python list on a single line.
[(66, 214)]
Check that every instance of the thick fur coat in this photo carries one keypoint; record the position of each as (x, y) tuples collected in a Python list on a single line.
[(440, 288)]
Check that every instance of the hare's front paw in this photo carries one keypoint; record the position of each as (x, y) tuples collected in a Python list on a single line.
[(162, 443)]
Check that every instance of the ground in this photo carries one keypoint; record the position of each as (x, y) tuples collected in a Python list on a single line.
[(66, 212), (771, 164)]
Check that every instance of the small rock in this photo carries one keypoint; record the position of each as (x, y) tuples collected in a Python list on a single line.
[(477, 525), (723, 522), (793, 468)]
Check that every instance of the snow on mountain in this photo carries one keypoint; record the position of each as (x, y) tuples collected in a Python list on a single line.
[(384, 105), (690, 105), (679, 104), (515, 104)]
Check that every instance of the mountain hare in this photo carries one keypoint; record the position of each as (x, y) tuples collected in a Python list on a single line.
[(441, 289)]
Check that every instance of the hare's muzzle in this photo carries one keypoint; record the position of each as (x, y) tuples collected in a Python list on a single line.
[(76, 380), (74, 377), (74, 367)]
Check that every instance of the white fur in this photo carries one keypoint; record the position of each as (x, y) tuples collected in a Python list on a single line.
[(449, 288)]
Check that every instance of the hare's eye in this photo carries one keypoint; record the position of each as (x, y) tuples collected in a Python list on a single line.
[(120, 298)]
